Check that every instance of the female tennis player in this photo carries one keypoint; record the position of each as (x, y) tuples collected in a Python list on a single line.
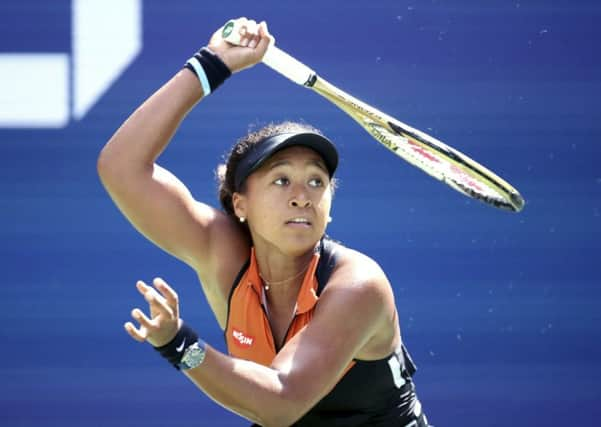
[(311, 326)]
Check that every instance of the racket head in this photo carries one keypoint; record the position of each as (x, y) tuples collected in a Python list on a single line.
[(426, 152), (447, 165)]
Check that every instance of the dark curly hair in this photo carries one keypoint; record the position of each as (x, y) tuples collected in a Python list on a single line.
[(226, 172)]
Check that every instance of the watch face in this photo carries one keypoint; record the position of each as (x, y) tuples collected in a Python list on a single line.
[(193, 356)]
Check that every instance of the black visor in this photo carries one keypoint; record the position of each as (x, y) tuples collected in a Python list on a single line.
[(259, 153)]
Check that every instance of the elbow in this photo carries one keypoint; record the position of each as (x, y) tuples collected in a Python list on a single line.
[(108, 157), (107, 167), (112, 171), (114, 166), (102, 163)]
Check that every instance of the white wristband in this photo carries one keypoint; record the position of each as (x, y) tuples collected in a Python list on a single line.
[(202, 76)]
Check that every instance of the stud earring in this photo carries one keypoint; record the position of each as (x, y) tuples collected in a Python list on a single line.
[(329, 219), (242, 219)]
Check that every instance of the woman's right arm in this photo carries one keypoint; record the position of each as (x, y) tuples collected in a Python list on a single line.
[(154, 200)]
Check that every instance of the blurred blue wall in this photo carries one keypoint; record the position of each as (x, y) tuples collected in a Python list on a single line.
[(501, 311)]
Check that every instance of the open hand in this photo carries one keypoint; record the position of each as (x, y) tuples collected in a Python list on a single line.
[(164, 321)]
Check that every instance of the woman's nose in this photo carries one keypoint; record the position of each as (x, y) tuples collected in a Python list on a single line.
[(299, 198)]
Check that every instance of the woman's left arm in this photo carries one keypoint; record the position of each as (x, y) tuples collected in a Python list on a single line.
[(350, 313)]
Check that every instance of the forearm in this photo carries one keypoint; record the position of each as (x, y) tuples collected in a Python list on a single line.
[(146, 133), (134, 148), (254, 391)]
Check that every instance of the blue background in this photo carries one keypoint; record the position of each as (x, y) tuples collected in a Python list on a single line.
[(501, 311)]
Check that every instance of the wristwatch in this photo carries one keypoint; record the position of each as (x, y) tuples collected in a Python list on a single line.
[(193, 356)]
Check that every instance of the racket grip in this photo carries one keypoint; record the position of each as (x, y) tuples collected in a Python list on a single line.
[(274, 58)]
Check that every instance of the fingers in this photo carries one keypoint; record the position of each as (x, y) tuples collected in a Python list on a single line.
[(169, 294), (163, 322), (245, 48), (155, 300), (253, 35), (144, 321), (263, 30), (265, 38), (137, 334), (248, 33), (142, 287)]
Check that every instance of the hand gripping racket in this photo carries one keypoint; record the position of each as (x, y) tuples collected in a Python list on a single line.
[(421, 150)]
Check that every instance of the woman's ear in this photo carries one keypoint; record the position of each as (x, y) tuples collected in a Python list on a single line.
[(239, 204)]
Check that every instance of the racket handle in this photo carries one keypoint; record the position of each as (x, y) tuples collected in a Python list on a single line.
[(274, 57)]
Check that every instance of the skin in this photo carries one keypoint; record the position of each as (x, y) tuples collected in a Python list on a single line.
[(356, 315)]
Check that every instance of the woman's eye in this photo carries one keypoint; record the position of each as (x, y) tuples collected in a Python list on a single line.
[(281, 181), (316, 182)]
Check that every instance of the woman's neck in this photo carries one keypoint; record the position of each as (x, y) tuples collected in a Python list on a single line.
[(281, 273)]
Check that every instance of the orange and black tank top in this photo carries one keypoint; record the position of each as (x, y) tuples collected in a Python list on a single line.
[(371, 393)]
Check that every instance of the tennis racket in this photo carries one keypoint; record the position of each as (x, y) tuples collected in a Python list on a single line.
[(416, 147)]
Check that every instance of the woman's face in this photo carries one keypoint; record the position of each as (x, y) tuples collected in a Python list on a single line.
[(287, 200)]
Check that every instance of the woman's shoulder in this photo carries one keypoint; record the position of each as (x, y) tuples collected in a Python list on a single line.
[(359, 289), (355, 266)]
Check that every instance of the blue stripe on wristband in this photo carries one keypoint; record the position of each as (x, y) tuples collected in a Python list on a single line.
[(200, 73), (216, 70)]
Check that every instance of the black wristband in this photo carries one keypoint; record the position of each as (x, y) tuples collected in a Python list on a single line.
[(214, 68), (174, 350)]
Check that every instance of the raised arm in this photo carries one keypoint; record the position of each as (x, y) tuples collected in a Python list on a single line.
[(157, 203)]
